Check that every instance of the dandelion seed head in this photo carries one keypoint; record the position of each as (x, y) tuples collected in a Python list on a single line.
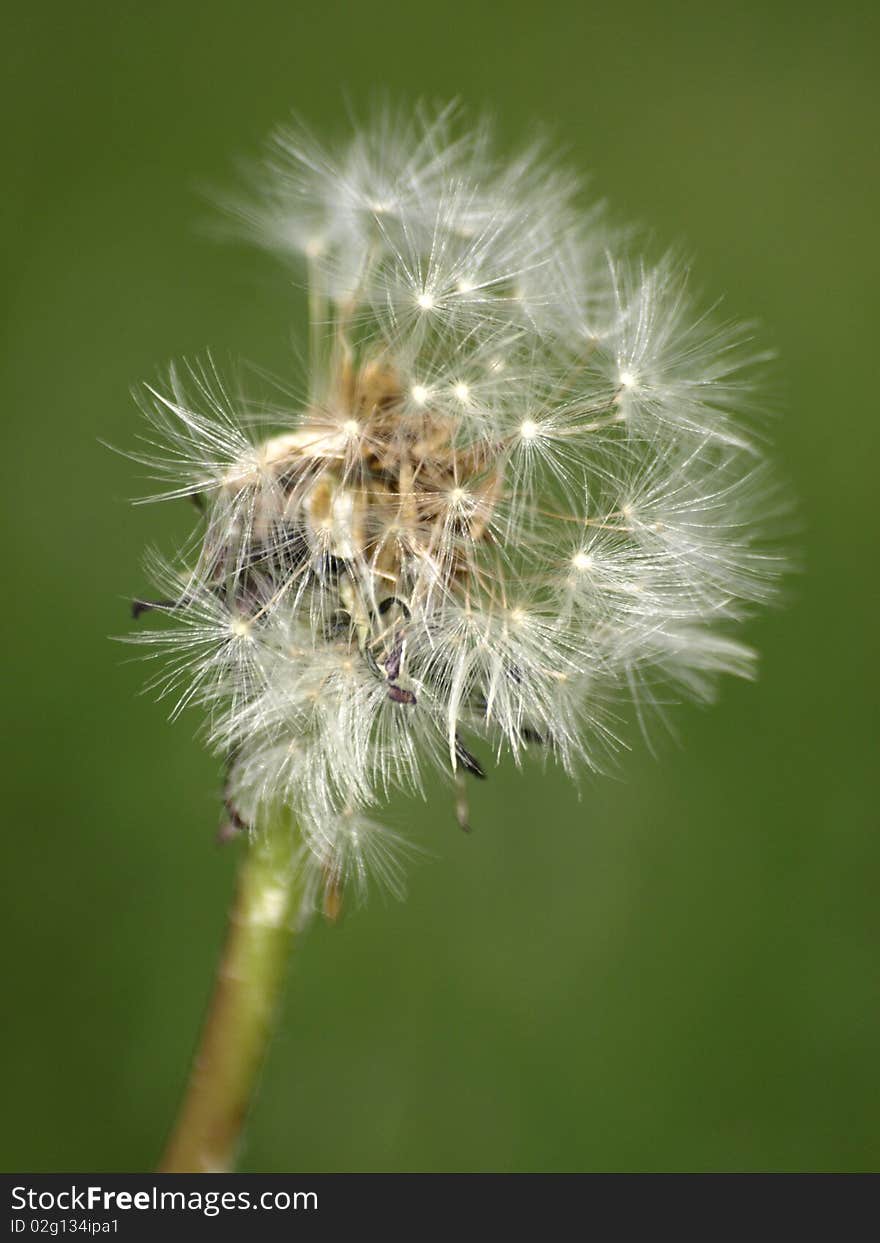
[(519, 485)]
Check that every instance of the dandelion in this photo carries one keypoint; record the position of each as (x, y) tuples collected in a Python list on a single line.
[(522, 485)]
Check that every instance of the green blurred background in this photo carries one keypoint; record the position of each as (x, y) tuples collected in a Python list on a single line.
[(677, 970)]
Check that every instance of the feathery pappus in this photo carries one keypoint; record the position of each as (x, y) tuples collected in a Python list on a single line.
[(521, 487)]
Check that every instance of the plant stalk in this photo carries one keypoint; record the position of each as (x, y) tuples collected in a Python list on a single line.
[(239, 1021)]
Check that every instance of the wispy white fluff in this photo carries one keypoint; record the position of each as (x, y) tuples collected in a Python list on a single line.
[(521, 487)]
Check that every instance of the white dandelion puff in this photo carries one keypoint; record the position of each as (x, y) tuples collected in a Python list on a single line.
[(525, 486)]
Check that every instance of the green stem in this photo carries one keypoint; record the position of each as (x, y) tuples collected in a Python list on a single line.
[(238, 1025)]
